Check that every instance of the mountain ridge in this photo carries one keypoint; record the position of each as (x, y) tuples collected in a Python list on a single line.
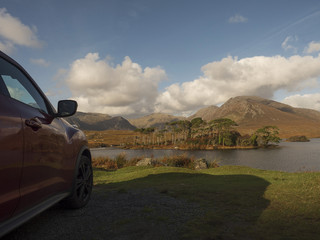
[(99, 122), (154, 120), (249, 112)]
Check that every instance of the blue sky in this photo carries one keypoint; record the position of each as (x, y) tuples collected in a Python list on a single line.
[(136, 57)]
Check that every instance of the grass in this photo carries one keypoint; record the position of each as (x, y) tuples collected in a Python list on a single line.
[(240, 202)]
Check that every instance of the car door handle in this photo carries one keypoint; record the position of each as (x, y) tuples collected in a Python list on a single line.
[(34, 123)]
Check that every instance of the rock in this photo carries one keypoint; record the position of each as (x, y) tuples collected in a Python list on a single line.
[(145, 162), (200, 163)]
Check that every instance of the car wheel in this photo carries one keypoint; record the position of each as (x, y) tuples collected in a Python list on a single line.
[(83, 183)]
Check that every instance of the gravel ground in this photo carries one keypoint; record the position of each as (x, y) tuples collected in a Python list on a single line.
[(134, 214)]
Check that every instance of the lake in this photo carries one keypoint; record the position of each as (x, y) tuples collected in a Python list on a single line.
[(288, 157)]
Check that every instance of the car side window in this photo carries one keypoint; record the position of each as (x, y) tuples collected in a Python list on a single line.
[(19, 86)]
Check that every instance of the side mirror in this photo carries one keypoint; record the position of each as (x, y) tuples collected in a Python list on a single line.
[(66, 108)]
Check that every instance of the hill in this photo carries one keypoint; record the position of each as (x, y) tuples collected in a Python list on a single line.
[(154, 120), (249, 112), (252, 113), (99, 122), (205, 113)]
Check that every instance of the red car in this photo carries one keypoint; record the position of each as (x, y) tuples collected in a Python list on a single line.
[(43, 159)]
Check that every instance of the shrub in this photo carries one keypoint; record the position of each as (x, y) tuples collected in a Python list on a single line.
[(178, 161), (111, 165), (121, 160), (133, 161), (214, 164), (104, 162)]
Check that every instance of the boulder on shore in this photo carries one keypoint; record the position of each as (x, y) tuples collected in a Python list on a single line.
[(145, 162), (200, 163)]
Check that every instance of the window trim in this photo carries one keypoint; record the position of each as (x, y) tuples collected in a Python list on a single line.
[(51, 110), (3, 88), (23, 84)]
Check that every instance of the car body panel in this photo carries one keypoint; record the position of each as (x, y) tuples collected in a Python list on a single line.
[(11, 156), (45, 156)]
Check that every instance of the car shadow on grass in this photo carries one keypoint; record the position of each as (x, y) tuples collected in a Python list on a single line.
[(159, 206)]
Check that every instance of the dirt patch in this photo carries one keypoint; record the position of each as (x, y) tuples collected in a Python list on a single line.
[(134, 214)]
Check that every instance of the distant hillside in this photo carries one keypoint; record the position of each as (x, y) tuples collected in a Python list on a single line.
[(254, 112), (249, 112), (99, 122), (154, 120), (205, 113)]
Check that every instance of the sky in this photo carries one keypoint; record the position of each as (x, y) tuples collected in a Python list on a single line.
[(135, 57)]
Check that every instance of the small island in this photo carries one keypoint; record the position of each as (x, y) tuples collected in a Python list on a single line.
[(301, 138), (196, 134)]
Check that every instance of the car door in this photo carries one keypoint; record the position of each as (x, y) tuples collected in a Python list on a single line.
[(11, 154), (44, 139)]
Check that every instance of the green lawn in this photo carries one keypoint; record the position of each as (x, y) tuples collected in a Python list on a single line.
[(239, 202)]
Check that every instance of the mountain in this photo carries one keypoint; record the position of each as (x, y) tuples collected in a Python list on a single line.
[(251, 113), (205, 113), (154, 120), (99, 122)]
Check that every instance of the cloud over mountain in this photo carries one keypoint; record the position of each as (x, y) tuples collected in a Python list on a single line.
[(125, 89), (128, 90), (257, 76), (304, 100)]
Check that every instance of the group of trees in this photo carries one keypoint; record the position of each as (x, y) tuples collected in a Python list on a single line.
[(197, 132)]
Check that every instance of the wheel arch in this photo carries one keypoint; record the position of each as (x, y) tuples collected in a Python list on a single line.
[(68, 201), (84, 152)]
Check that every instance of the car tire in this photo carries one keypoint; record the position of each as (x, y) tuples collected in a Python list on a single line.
[(82, 186)]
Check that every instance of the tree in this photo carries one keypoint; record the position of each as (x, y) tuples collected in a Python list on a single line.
[(149, 132), (174, 129), (222, 125), (185, 127), (197, 125), (140, 131), (268, 134), (230, 137)]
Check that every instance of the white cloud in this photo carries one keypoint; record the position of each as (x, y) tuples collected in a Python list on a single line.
[(40, 62), (221, 80), (237, 19), (304, 101), (312, 47), (286, 43), (6, 46), (128, 90), (14, 32), (125, 89)]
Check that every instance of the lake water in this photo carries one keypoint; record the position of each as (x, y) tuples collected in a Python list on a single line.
[(289, 156)]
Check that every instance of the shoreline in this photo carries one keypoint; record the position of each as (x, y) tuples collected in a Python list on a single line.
[(171, 147), (191, 148)]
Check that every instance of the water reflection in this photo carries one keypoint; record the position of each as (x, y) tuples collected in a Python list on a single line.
[(289, 157)]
